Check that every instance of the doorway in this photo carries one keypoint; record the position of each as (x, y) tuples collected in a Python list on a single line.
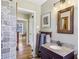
[(22, 32), (26, 34)]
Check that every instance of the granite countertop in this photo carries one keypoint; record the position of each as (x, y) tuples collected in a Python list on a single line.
[(62, 52)]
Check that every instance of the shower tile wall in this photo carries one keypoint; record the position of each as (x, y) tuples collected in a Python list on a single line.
[(8, 29)]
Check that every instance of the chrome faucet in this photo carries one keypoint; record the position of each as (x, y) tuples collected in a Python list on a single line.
[(59, 43)]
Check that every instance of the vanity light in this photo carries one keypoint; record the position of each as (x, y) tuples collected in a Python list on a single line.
[(62, 1)]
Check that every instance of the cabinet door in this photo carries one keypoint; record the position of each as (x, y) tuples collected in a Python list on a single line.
[(44, 56), (70, 56), (56, 56), (52, 57), (44, 53)]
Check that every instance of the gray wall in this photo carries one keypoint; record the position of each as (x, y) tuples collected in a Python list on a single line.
[(67, 38)]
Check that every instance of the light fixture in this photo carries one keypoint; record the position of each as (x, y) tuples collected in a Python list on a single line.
[(62, 1)]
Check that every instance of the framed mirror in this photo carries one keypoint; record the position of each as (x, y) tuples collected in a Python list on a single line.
[(65, 22)]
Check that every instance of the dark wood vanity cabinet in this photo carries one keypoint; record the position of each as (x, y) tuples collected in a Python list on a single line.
[(47, 54)]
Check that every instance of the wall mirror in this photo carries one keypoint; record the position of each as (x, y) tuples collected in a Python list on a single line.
[(65, 20)]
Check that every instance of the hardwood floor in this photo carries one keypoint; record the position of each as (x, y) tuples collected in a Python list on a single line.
[(25, 51)]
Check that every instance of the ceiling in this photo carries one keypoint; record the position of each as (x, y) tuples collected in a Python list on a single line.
[(39, 2)]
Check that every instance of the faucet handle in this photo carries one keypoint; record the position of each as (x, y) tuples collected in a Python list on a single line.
[(59, 43)]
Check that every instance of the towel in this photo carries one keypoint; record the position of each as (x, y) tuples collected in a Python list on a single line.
[(48, 38), (42, 39)]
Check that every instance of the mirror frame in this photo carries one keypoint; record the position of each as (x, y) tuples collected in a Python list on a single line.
[(71, 9)]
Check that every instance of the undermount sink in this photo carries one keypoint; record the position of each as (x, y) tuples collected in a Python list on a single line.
[(55, 47)]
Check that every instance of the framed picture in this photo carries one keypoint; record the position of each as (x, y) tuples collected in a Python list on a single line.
[(65, 20), (46, 20), (19, 27)]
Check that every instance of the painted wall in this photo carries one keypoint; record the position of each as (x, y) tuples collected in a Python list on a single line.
[(22, 15), (67, 38), (31, 6)]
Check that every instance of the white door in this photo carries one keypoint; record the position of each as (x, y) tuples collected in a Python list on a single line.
[(31, 31)]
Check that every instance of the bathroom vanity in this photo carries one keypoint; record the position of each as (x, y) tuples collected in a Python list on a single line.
[(53, 51)]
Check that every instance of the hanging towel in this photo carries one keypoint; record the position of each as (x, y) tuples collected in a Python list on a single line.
[(48, 38), (42, 39)]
